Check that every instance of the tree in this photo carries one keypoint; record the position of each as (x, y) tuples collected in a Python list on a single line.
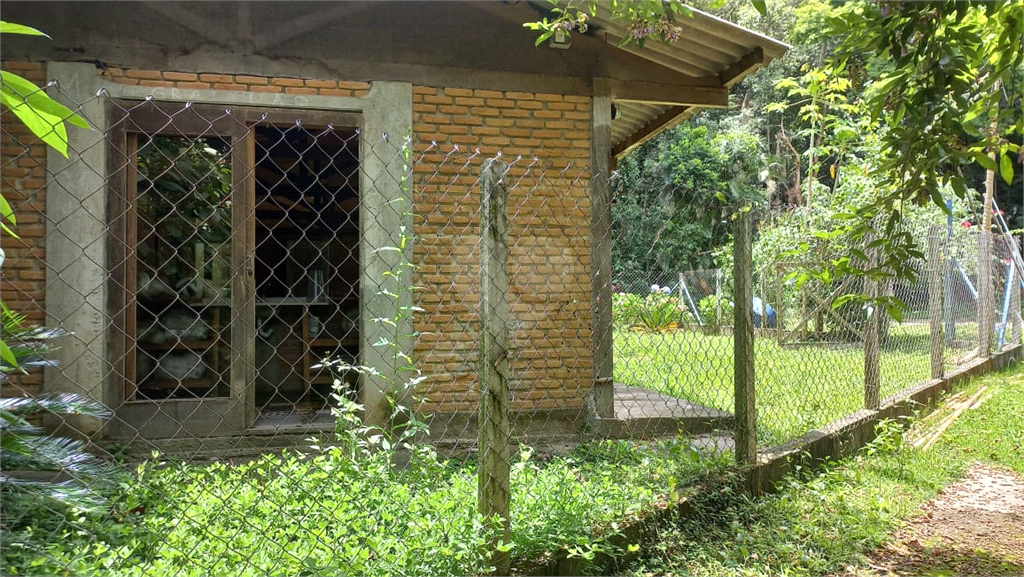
[(950, 100), (643, 18), (674, 196)]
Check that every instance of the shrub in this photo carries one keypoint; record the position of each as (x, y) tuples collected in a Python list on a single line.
[(708, 309), (626, 309), (661, 311)]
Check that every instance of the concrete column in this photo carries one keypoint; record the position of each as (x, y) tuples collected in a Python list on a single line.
[(76, 247), (385, 216), (1015, 308)]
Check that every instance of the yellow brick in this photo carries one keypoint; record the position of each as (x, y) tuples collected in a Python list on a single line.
[(193, 85), (482, 111), (561, 106), (489, 93), (500, 103), (222, 78), (180, 76), (143, 74), (458, 92), (322, 83), (287, 82), (448, 109), (246, 79)]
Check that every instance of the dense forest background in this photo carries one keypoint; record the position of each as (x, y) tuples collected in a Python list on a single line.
[(796, 141)]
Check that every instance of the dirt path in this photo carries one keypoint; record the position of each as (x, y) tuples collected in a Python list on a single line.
[(973, 527)]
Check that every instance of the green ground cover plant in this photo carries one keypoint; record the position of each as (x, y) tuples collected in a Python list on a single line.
[(822, 521), (798, 389), (331, 514)]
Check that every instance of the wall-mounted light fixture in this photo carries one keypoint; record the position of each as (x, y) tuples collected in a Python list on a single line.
[(561, 39)]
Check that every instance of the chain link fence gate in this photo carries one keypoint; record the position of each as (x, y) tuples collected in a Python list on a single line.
[(315, 361)]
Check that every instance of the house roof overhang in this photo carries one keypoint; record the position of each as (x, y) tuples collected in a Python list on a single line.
[(711, 55), (483, 43), (697, 70)]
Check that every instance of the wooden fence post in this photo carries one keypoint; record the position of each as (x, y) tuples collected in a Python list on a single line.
[(872, 377), (493, 491), (985, 293), (935, 298), (603, 391), (745, 417), (1015, 310), (718, 298)]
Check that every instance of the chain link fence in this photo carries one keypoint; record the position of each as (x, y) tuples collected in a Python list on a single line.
[(810, 355), (322, 351)]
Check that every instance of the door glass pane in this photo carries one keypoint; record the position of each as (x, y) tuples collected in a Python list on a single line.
[(183, 267), (306, 265)]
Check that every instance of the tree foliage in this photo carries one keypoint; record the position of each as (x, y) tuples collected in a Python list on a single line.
[(643, 18), (943, 104), (673, 197)]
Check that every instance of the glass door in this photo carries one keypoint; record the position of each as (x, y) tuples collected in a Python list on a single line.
[(181, 205)]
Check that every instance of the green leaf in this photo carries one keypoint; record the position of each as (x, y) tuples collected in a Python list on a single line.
[(12, 28), (6, 212), (36, 98), (984, 160), (48, 128), (8, 357), (760, 6), (1006, 168)]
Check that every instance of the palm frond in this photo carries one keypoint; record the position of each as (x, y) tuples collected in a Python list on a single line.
[(66, 493), (57, 454), (59, 403)]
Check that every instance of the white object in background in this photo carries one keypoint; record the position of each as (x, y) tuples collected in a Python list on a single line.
[(180, 366)]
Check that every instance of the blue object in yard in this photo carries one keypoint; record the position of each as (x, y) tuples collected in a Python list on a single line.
[(764, 314)]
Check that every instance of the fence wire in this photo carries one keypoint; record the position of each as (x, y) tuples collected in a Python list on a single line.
[(323, 351)]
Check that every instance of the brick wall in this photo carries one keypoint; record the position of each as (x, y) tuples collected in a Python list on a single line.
[(549, 227), (548, 232), (23, 184)]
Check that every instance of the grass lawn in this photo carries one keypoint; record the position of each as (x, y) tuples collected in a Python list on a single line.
[(821, 522), (798, 388)]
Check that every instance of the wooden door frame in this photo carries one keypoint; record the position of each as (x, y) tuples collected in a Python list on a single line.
[(214, 416), (173, 417)]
